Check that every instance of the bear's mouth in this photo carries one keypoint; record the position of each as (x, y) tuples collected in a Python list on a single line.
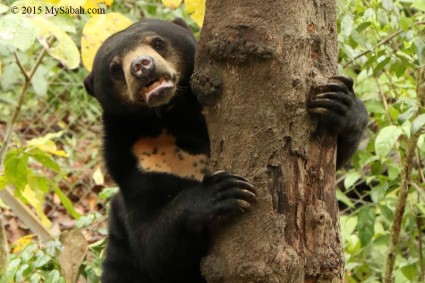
[(155, 86)]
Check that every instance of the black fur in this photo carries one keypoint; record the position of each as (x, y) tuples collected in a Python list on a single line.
[(159, 222), (340, 112), (158, 226)]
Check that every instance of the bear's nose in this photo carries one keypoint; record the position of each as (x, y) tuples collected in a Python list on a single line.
[(142, 67)]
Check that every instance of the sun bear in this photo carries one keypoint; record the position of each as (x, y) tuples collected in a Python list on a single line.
[(156, 148)]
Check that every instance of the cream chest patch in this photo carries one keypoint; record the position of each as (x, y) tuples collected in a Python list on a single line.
[(160, 154)]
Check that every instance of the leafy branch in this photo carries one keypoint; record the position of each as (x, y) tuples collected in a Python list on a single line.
[(404, 186), (27, 82), (382, 42), (6, 194)]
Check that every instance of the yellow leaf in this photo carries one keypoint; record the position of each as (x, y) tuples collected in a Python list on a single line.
[(96, 31), (91, 4), (196, 10), (46, 144), (54, 2), (98, 177), (172, 4), (96, 3), (86, 4), (71, 3), (106, 2), (22, 243), (36, 201)]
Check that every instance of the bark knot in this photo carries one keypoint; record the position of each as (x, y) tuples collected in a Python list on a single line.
[(238, 42)]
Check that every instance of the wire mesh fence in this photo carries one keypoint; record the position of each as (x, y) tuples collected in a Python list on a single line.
[(62, 107)]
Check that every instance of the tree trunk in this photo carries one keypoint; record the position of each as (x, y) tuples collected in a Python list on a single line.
[(255, 65)]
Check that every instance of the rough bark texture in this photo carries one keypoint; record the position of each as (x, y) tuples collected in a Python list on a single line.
[(255, 65)]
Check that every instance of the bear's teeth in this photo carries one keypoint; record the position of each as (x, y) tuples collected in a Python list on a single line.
[(153, 85)]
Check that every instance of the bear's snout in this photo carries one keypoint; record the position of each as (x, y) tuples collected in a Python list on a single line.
[(143, 67)]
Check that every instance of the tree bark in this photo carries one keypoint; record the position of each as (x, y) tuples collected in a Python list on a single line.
[(256, 62)]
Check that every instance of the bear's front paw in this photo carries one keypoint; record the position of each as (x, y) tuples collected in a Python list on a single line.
[(207, 87), (333, 103), (230, 194), (219, 195)]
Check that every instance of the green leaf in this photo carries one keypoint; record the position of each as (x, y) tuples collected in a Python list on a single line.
[(360, 28), (85, 220), (53, 276), (348, 224), (16, 171), (418, 123), (42, 260), (45, 159), (382, 17), (19, 276), (381, 65), (107, 193), (67, 203), (11, 270), (386, 212), (419, 4), (3, 182), (366, 225), (36, 278), (388, 4), (420, 50), (17, 31), (347, 25), (386, 139), (340, 196), (407, 128), (64, 23), (398, 68), (369, 13), (351, 178), (40, 81), (421, 207), (378, 192), (394, 171), (408, 114), (3, 8), (63, 47), (411, 271), (421, 142), (406, 23), (39, 183)]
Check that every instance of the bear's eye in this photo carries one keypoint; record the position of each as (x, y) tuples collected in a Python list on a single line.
[(116, 71), (158, 44)]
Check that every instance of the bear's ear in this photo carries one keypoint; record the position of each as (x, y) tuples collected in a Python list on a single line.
[(89, 84), (180, 22)]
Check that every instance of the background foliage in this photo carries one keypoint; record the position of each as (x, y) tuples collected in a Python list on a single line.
[(382, 46), (54, 149)]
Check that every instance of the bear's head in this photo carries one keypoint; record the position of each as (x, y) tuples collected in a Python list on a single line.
[(143, 67)]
